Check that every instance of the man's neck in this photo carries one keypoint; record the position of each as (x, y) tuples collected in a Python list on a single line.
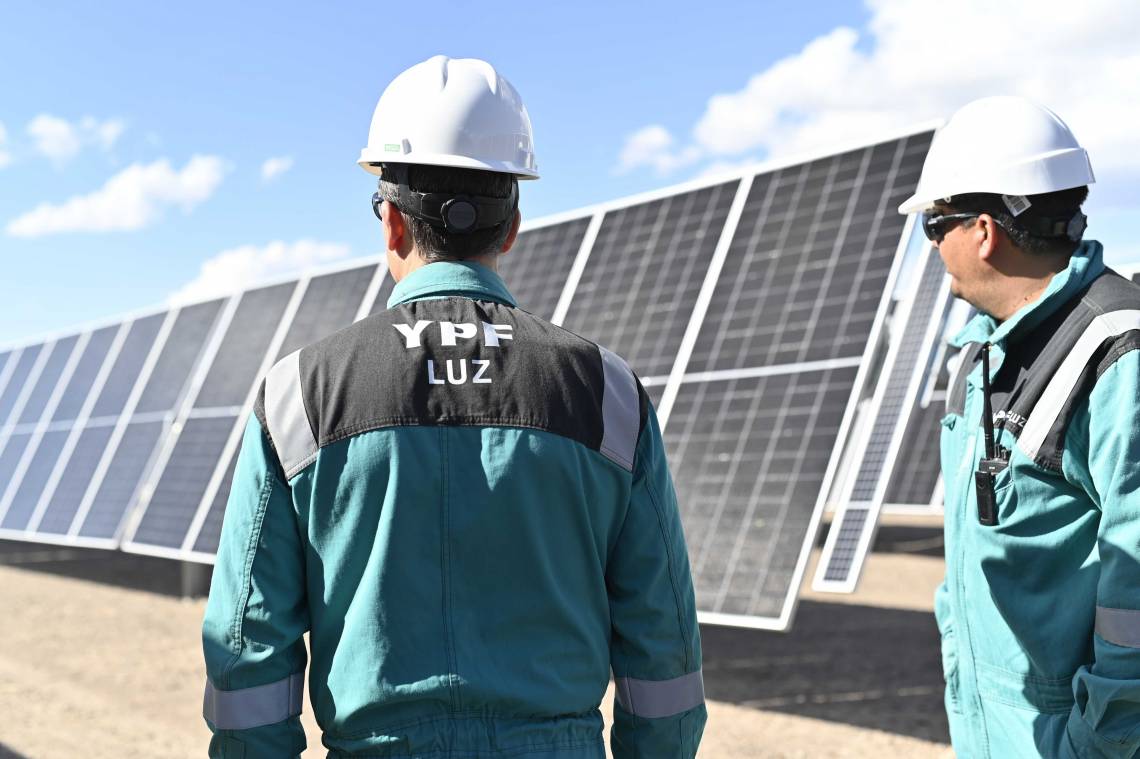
[(414, 261)]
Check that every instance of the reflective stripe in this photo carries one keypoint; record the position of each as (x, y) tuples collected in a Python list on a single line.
[(285, 415), (1061, 386), (253, 707), (621, 411), (1119, 626), (660, 698)]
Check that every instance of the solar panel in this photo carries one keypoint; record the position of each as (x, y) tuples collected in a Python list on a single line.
[(537, 267), (167, 382), (644, 270), (128, 364), (171, 508), (853, 528), (745, 304), (330, 303), (914, 480), (26, 489), (235, 366), (789, 319), (83, 377), (75, 479), (17, 382), (123, 475), (57, 355), (748, 463)]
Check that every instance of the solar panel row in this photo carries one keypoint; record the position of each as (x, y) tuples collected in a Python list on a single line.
[(904, 368), (749, 307)]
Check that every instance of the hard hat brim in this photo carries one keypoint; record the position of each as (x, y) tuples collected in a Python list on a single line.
[(370, 160)]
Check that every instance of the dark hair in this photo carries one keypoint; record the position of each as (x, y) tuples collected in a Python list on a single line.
[(1052, 205), (436, 243)]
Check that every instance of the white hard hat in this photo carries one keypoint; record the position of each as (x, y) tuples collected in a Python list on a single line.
[(451, 112), (1004, 145)]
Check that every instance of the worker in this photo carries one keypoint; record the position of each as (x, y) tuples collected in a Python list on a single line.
[(467, 508), (1039, 612)]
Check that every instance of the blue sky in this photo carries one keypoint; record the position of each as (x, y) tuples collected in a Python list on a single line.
[(160, 118)]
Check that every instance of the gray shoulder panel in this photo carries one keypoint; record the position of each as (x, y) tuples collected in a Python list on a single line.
[(621, 411), (286, 418), (1048, 408)]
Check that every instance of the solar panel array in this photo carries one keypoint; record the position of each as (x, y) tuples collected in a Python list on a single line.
[(904, 368), (749, 306)]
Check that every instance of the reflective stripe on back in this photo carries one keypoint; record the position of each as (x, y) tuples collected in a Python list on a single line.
[(621, 411), (1048, 408), (253, 707), (653, 699), (285, 415)]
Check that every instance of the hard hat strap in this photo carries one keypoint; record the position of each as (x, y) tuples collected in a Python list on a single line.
[(457, 213)]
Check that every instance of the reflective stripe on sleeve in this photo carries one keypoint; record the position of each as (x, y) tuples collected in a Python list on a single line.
[(1060, 387), (1119, 626), (660, 698), (253, 707), (285, 415), (621, 411)]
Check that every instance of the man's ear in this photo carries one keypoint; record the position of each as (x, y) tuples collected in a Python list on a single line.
[(397, 236), (513, 234), (986, 235)]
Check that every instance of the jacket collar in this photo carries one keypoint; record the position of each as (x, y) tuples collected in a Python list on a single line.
[(1086, 264), (444, 279)]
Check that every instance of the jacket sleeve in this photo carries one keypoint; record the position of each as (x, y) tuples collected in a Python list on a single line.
[(1105, 720), (655, 650), (256, 615)]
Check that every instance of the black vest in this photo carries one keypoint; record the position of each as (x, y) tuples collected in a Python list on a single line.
[(1050, 368)]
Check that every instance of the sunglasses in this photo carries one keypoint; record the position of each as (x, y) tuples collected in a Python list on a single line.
[(935, 226)]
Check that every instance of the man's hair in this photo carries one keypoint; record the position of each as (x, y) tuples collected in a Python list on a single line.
[(1051, 205), (436, 243)]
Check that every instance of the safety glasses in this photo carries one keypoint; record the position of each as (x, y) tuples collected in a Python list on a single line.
[(936, 225)]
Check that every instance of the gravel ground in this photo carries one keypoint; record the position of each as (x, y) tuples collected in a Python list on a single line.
[(99, 659)]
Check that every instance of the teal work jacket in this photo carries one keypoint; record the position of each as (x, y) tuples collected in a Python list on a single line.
[(1039, 614), (469, 512)]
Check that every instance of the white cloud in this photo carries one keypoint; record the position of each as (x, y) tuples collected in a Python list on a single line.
[(654, 146), (61, 141), (914, 62), (132, 199), (5, 156), (275, 167), (238, 268)]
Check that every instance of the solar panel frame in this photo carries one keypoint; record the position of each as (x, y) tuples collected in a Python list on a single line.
[(26, 375), (878, 443)]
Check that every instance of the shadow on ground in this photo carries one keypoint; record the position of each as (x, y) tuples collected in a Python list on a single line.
[(116, 568), (7, 753), (865, 666), (860, 665)]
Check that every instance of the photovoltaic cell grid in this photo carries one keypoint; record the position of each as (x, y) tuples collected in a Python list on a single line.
[(774, 368), (643, 274), (853, 527), (537, 267), (95, 435), (197, 443), (916, 473), (751, 434), (330, 302)]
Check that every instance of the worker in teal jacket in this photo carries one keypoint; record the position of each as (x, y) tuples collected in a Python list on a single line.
[(1039, 612), (467, 508)]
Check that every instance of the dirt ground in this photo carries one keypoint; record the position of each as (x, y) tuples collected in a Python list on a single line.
[(99, 657)]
